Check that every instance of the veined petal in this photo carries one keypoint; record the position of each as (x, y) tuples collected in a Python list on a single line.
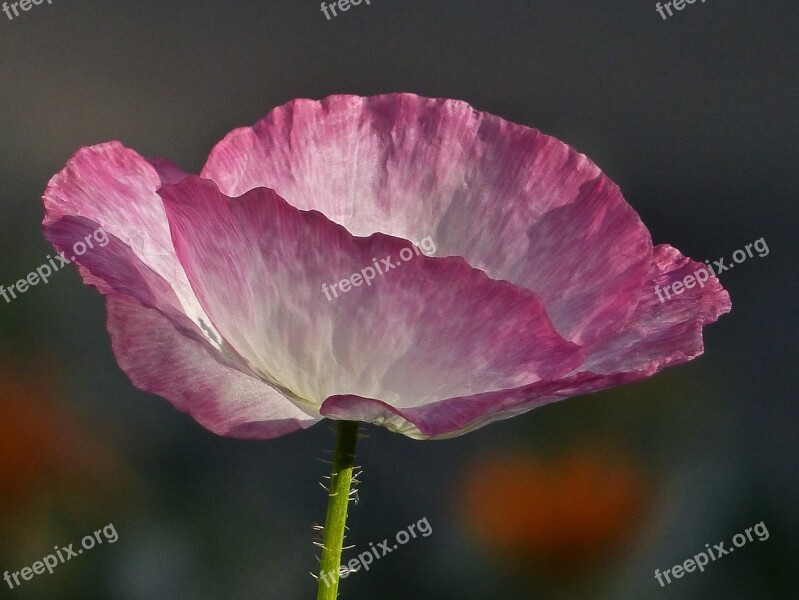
[(513, 202), (658, 335), (427, 329), (454, 416), (661, 334), (111, 188), (161, 360)]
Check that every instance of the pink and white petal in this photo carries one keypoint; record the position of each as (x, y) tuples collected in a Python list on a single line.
[(112, 188), (429, 328), (587, 259), (659, 335), (455, 416), (481, 187), (115, 270), (168, 171), (161, 360)]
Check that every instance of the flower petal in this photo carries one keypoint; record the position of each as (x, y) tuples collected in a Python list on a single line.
[(112, 188), (661, 334), (425, 330), (520, 205), (457, 415), (161, 360), (658, 335)]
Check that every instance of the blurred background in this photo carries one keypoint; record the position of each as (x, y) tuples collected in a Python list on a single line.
[(694, 117)]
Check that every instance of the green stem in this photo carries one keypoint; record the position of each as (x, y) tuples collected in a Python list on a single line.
[(336, 519)]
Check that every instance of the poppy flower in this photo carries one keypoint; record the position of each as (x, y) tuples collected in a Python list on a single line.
[(541, 285)]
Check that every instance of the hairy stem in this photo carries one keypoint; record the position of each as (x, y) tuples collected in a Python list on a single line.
[(338, 500)]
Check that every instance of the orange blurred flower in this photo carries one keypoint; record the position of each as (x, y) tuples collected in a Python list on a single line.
[(43, 450), (562, 514)]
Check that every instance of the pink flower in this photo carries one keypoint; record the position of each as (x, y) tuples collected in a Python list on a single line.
[(542, 285)]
